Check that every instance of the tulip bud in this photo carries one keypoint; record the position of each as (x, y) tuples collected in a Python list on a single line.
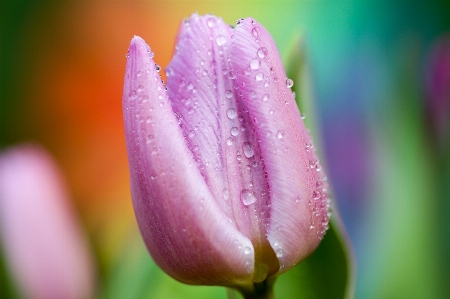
[(226, 186), (43, 243)]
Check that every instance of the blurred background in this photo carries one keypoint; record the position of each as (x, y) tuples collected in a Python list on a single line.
[(379, 76)]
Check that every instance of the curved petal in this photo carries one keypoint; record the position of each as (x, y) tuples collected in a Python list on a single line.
[(299, 204), (43, 242), (219, 131), (186, 232)]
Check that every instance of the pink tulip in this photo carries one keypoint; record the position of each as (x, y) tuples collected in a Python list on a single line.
[(226, 186), (43, 243)]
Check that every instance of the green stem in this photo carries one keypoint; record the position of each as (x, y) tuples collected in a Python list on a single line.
[(260, 290)]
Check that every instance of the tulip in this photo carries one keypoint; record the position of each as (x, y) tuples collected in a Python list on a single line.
[(43, 244), (226, 186)]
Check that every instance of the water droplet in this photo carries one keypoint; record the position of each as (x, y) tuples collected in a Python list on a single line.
[(259, 77), (316, 195), (262, 52), (191, 134), (247, 197), (157, 67), (228, 94), (226, 194), (280, 253), (231, 75), (319, 184), (289, 83), (234, 131), (139, 73), (255, 32), (271, 111), (254, 64), (265, 98), (230, 141), (280, 134), (231, 113), (221, 40), (247, 250), (190, 86), (211, 22), (303, 116), (140, 88), (248, 150)]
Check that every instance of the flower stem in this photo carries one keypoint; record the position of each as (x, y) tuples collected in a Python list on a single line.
[(260, 290)]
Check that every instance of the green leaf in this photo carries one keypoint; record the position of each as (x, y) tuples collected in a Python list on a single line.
[(327, 273)]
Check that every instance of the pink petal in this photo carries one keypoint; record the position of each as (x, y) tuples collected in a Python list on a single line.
[(43, 242), (298, 215), (184, 228), (219, 131)]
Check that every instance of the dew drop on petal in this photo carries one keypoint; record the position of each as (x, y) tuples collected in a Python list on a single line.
[(265, 98), (262, 52), (254, 64), (221, 40), (231, 113), (280, 134), (259, 77), (248, 150), (255, 32), (289, 83), (247, 197), (226, 194), (230, 141), (234, 131), (247, 250), (211, 22), (228, 94)]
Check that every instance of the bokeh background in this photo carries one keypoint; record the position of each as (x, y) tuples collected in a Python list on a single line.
[(379, 74)]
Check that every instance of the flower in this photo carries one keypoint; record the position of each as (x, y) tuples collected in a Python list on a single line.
[(226, 187), (43, 242), (438, 89)]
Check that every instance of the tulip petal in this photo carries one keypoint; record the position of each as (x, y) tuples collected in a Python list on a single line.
[(43, 242), (185, 230), (298, 198), (219, 131)]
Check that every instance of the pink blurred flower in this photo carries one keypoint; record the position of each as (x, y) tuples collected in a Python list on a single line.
[(226, 185), (43, 243), (438, 89)]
